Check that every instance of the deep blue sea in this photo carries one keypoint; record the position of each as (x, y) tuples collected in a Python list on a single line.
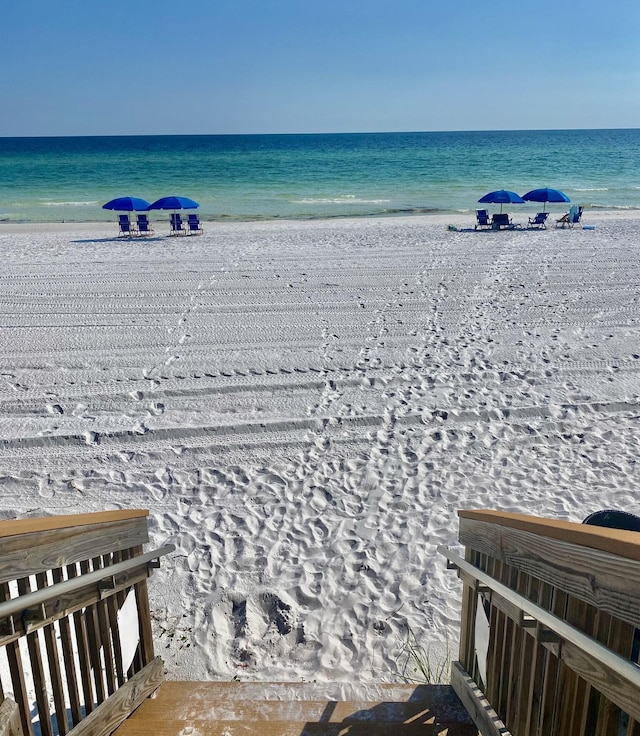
[(245, 177)]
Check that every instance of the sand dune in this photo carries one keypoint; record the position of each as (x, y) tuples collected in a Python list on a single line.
[(303, 406)]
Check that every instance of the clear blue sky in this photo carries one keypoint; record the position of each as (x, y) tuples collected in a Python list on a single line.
[(83, 67)]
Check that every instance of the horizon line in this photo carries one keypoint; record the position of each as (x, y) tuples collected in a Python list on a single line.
[(310, 133)]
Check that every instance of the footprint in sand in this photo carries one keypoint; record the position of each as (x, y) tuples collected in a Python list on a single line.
[(45, 488), (91, 438)]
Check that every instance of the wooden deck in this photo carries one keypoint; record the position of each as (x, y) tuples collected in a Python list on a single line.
[(549, 642), (298, 709)]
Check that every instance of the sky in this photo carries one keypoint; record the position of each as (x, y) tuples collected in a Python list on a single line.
[(82, 67)]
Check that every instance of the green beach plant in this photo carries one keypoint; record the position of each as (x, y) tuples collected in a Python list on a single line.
[(418, 665)]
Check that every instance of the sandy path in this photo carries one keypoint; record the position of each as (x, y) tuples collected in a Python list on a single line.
[(304, 407)]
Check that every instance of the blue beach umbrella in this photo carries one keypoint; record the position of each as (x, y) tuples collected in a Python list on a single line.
[(545, 195), (501, 196), (174, 203), (127, 204)]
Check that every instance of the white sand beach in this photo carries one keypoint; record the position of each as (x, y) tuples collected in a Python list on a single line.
[(304, 406)]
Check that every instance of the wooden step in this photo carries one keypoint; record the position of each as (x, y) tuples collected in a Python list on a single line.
[(291, 728), (285, 710), (232, 690), (299, 709)]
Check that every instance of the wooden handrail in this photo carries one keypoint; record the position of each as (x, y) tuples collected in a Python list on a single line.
[(73, 576), (550, 624), (616, 541), (41, 596), (626, 669), (16, 527)]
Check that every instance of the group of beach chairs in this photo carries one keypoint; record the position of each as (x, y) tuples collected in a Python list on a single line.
[(142, 227), (502, 221)]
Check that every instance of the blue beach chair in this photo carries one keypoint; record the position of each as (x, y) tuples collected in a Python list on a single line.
[(482, 219), (126, 228), (144, 226), (501, 220), (572, 217), (539, 221), (193, 223), (177, 226)]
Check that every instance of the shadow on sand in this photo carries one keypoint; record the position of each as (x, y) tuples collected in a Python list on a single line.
[(116, 239)]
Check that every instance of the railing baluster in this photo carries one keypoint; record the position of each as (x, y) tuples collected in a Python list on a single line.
[(144, 618), (545, 593), (505, 655), (37, 670), (514, 651), (17, 674), (105, 636), (93, 636), (103, 557), (496, 624), (563, 616), (112, 617), (53, 662), (68, 659), (82, 644), (530, 666)]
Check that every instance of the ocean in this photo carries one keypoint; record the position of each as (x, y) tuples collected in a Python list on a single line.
[(249, 177)]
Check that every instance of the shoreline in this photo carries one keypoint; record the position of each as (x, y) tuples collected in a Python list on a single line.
[(464, 220)]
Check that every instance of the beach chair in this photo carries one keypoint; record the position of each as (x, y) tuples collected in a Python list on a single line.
[(144, 226), (193, 225), (572, 217), (482, 219), (501, 220), (539, 221), (177, 226), (126, 228)]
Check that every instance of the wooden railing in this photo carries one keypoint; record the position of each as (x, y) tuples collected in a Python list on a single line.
[(550, 640), (65, 584)]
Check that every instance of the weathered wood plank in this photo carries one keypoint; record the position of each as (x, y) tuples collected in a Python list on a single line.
[(13, 527), (10, 724), (112, 622), (113, 711), (16, 671), (617, 542), (69, 661), (90, 616), (144, 617), (601, 579), (478, 707), (228, 691), (518, 583), (417, 709), (53, 661), (603, 678), (37, 671), (65, 605), (610, 673), (29, 554), (541, 659), (292, 728), (105, 635), (83, 650)]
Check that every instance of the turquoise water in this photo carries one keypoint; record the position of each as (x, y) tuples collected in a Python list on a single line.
[(302, 176)]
